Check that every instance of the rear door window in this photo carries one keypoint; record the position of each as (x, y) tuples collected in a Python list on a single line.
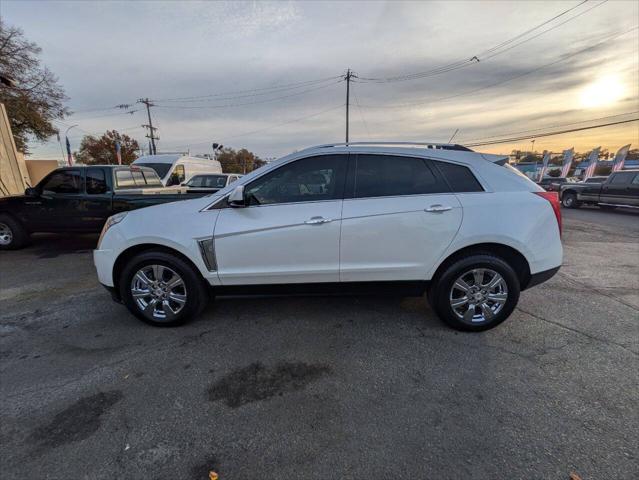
[(389, 176), (96, 181), (460, 178), (622, 178)]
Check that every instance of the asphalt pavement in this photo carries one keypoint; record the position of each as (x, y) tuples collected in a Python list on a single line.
[(323, 387)]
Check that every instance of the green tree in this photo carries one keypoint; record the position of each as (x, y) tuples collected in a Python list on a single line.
[(29, 91), (239, 161), (101, 151)]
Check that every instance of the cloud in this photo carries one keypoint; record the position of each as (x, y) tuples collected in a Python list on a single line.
[(117, 52)]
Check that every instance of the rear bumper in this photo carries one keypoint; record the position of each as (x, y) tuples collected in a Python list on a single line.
[(541, 277)]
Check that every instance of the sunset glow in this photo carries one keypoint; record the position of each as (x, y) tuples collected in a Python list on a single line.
[(602, 92)]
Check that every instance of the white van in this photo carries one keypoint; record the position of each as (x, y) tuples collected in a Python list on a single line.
[(176, 168)]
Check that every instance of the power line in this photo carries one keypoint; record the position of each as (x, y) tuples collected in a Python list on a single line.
[(550, 126), (506, 80), (275, 87), (249, 93), (548, 134), (274, 99), (494, 51), (548, 30)]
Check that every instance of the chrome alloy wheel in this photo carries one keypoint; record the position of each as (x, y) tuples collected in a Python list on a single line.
[(478, 295), (6, 235), (159, 292)]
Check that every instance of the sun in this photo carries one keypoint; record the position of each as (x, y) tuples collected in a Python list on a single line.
[(602, 92)]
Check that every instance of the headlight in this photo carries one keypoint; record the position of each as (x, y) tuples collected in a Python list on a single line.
[(113, 220)]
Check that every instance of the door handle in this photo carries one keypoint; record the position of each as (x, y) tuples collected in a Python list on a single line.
[(317, 220), (438, 208)]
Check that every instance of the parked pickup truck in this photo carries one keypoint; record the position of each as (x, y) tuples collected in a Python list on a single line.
[(620, 189), (80, 199)]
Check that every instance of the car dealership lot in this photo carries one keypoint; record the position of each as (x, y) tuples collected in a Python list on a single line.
[(323, 387)]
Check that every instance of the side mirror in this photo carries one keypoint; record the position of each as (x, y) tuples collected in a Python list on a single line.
[(31, 192), (236, 198)]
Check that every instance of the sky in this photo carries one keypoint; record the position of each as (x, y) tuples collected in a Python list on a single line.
[(269, 76)]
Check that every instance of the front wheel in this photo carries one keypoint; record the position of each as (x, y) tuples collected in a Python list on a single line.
[(12, 234), (162, 289), (476, 292), (569, 200)]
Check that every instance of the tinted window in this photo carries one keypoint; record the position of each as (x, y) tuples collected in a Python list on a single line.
[(306, 180), (124, 179), (161, 168), (65, 181), (460, 178), (151, 178), (196, 181), (138, 178), (385, 175), (635, 181), (622, 178), (96, 181)]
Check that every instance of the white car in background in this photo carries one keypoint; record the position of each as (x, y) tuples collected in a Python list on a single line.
[(177, 168), (381, 218)]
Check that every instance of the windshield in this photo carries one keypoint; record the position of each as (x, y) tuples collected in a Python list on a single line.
[(161, 168), (207, 181)]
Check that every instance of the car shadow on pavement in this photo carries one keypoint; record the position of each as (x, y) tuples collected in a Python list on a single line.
[(51, 245)]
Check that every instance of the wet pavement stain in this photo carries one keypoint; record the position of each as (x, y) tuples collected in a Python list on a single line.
[(77, 422), (256, 382)]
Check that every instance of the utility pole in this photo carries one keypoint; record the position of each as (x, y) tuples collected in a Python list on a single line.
[(150, 126), (348, 77)]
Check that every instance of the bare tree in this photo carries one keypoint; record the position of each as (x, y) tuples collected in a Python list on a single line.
[(29, 90)]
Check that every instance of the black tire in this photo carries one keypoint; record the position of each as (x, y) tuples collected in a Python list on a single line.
[(440, 291), (569, 200), (195, 288), (14, 235)]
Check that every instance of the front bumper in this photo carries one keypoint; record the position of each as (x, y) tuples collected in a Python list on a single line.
[(103, 261)]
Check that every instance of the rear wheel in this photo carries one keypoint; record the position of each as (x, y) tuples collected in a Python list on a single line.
[(476, 292), (12, 234), (569, 200), (162, 289)]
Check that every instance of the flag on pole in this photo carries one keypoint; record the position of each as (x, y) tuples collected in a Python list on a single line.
[(593, 158), (544, 165), (567, 161), (117, 152), (69, 156), (620, 158)]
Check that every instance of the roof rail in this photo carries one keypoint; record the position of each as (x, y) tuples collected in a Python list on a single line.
[(433, 145)]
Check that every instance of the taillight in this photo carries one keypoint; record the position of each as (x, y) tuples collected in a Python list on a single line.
[(553, 198)]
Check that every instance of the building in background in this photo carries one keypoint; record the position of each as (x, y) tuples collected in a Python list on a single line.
[(14, 176)]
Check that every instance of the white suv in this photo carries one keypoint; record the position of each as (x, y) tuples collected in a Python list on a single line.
[(358, 217)]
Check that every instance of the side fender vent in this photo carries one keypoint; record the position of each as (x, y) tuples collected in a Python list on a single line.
[(207, 249)]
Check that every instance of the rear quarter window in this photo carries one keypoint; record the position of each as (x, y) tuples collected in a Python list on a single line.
[(124, 179), (460, 178)]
